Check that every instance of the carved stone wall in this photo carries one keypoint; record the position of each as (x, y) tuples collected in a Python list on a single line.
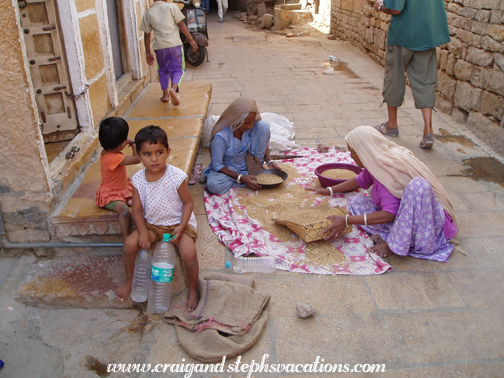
[(471, 66)]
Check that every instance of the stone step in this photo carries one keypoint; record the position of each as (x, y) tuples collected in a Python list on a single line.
[(82, 282), (79, 217)]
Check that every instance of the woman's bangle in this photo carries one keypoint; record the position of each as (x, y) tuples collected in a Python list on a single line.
[(330, 191), (365, 219), (346, 220), (269, 162), (239, 178)]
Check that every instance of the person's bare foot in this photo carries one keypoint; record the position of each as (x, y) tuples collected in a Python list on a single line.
[(166, 96), (123, 290), (382, 249), (323, 149), (174, 99), (193, 301)]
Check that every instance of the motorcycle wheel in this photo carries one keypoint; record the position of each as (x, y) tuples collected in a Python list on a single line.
[(195, 58)]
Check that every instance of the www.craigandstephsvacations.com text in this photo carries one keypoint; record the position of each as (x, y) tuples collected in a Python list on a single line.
[(238, 367)]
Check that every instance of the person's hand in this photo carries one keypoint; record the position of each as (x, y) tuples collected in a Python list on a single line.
[(177, 232), (273, 165), (144, 240), (320, 191), (250, 181), (336, 228), (130, 142), (377, 5), (150, 59), (194, 45)]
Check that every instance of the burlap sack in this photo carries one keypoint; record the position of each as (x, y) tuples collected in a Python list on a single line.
[(210, 346), (229, 319), (228, 303)]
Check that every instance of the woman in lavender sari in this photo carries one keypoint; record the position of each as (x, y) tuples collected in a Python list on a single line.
[(239, 145), (408, 212)]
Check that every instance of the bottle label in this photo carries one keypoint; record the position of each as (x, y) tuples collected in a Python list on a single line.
[(161, 275)]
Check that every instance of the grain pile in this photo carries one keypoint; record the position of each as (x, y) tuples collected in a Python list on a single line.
[(268, 179), (290, 199), (339, 174)]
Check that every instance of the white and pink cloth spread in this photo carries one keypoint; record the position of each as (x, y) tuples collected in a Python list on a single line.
[(244, 236)]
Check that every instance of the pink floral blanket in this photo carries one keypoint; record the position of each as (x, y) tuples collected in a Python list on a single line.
[(242, 228)]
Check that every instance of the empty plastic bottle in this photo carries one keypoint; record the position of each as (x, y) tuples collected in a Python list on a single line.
[(141, 276), (163, 262), (264, 264)]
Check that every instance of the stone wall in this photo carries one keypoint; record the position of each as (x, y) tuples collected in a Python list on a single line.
[(471, 66), (24, 181)]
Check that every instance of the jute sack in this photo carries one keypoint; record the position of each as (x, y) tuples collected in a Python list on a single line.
[(230, 317), (228, 303), (210, 346)]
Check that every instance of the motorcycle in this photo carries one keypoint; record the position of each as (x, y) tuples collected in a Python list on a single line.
[(196, 22)]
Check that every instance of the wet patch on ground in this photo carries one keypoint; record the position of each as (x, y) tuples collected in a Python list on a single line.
[(485, 168), (446, 137), (343, 67), (99, 368), (460, 139), (140, 322)]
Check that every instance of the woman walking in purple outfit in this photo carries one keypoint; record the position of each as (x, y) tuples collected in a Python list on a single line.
[(408, 212)]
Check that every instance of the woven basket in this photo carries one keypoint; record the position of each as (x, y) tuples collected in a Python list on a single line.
[(313, 231)]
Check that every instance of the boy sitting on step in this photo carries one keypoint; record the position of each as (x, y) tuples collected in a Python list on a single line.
[(162, 204)]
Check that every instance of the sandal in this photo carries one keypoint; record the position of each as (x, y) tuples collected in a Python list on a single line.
[(386, 130), (427, 141), (196, 173)]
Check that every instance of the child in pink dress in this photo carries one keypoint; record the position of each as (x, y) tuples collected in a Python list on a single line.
[(115, 189)]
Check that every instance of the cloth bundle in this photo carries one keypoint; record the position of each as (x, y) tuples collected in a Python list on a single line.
[(229, 319)]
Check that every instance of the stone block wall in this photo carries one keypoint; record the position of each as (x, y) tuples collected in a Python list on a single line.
[(471, 66)]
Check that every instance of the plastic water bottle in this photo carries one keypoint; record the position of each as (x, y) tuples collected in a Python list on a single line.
[(264, 264), (163, 262), (141, 276), (334, 59)]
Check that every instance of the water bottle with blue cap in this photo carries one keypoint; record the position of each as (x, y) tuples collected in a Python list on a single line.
[(163, 262)]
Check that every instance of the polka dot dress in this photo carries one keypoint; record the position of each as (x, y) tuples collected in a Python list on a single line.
[(160, 200)]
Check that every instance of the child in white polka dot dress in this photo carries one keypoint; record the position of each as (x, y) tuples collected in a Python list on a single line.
[(162, 203)]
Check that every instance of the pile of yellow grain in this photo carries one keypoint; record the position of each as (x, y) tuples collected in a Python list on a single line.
[(268, 179), (339, 174)]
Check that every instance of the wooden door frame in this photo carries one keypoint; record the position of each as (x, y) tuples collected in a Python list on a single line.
[(72, 42), (69, 19)]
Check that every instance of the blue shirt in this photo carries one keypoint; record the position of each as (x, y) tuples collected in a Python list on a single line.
[(421, 25), (229, 151)]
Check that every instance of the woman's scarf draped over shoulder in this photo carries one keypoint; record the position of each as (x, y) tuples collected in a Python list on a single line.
[(234, 111), (392, 165)]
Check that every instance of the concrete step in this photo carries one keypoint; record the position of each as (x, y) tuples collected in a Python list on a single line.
[(82, 282), (79, 217)]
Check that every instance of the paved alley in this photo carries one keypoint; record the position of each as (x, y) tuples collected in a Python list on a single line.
[(423, 319)]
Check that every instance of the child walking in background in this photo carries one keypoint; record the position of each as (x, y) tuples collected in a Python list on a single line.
[(115, 190), (162, 204), (166, 20)]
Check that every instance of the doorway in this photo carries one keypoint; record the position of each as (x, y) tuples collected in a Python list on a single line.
[(115, 14), (49, 74)]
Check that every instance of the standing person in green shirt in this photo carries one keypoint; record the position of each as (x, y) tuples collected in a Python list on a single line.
[(416, 28)]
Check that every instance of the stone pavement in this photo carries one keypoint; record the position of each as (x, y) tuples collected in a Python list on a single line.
[(423, 319)]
